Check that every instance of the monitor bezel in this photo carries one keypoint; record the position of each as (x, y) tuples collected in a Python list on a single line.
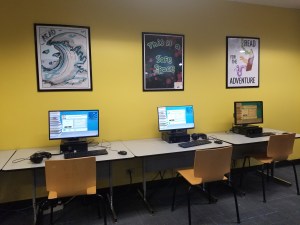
[(176, 129), (77, 137), (245, 124)]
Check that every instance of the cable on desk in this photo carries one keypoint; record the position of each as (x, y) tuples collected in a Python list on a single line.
[(107, 146), (92, 143), (212, 137), (20, 160)]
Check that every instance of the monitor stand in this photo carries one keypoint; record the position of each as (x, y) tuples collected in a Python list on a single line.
[(72, 145), (175, 136)]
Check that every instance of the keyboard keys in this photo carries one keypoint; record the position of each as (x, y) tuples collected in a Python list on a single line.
[(194, 143)]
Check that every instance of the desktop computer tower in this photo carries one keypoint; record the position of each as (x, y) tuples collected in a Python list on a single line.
[(247, 130), (71, 146), (175, 137)]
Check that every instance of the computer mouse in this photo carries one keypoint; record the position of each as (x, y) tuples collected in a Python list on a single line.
[(122, 152), (218, 141)]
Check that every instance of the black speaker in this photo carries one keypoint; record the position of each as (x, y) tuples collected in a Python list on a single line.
[(196, 136), (39, 156)]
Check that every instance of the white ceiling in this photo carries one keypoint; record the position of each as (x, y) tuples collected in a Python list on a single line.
[(277, 3)]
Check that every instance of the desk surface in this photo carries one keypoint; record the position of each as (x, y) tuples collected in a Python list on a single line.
[(238, 139), (156, 146), (113, 148), (5, 156)]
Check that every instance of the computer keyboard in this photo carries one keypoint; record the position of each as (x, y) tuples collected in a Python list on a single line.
[(194, 143), (72, 155), (260, 135)]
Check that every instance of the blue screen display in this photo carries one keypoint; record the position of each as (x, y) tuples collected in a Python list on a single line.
[(175, 117), (66, 124)]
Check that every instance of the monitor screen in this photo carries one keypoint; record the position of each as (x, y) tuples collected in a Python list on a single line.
[(73, 124), (248, 112), (175, 117)]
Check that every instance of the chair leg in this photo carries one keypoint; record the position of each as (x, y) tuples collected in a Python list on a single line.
[(42, 207), (272, 169), (103, 206), (235, 201), (52, 203), (210, 199), (174, 192), (51, 215), (268, 171), (189, 204), (263, 182), (296, 178)]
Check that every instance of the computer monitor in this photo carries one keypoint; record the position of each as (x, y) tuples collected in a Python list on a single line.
[(248, 112), (73, 124), (175, 118)]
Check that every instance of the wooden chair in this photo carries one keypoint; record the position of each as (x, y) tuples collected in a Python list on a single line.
[(279, 148), (209, 166), (72, 177)]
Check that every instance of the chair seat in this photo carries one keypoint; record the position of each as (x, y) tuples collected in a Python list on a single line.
[(262, 158), (188, 174), (89, 191)]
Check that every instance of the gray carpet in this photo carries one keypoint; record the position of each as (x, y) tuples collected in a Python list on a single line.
[(282, 207)]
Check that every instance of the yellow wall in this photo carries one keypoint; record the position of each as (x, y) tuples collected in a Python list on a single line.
[(116, 47)]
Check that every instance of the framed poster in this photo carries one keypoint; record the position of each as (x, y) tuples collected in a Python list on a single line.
[(242, 62), (63, 58), (163, 62)]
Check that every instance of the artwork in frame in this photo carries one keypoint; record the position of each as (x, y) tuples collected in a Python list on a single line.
[(163, 62), (242, 62), (63, 57)]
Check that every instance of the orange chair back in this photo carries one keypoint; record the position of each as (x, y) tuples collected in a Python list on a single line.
[(70, 177), (212, 164), (280, 146)]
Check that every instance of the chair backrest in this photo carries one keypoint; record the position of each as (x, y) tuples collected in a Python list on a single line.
[(70, 177), (280, 146), (212, 164)]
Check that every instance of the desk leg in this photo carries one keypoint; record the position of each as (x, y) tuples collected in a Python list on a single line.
[(34, 196), (143, 194), (110, 195)]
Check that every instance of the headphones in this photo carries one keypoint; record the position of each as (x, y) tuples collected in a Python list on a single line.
[(39, 156), (196, 136)]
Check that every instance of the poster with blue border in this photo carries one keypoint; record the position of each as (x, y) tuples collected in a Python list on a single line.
[(242, 62)]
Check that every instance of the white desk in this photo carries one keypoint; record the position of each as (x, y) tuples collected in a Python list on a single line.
[(5, 155), (243, 146), (105, 160), (238, 139), (159, 155)]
